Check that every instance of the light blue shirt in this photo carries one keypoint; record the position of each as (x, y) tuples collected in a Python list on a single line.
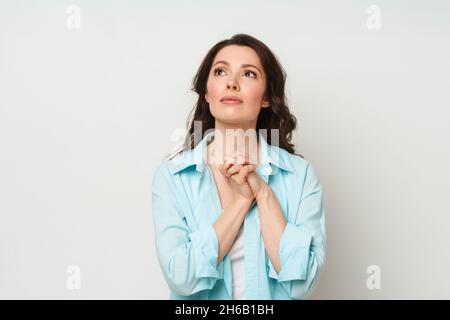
[(186, 204)]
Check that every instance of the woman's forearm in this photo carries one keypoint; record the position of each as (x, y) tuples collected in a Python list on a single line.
[(272, 222), (228, 224)]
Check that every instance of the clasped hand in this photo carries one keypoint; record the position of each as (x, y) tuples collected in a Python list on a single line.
[(245, 183)]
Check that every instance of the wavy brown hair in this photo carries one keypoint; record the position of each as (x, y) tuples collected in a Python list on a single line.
[(276, 116)]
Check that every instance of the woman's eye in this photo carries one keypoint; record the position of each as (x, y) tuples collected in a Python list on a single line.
[(250, 72), (217, 70)]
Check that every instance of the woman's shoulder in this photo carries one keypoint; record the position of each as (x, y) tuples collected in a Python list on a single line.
[(167, 167), (302, 168), (294, 162), (160, 175)]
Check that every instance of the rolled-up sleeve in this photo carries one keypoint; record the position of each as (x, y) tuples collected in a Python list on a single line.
[(303, 241), (188, 258)]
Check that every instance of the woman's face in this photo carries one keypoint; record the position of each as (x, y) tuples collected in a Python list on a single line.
[(236, 72)]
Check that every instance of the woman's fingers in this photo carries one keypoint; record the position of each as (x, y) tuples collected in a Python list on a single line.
[(224, 167), (238, 177), (241, 176), (233, 169), (232, 166), (251, 168), (245, 169)]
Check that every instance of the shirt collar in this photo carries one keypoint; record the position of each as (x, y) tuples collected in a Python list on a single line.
[(270, 156)]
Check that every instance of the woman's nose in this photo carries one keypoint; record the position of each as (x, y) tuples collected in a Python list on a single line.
[(232, 85)]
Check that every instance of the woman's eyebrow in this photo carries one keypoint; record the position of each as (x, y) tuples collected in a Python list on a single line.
[(246, 65)]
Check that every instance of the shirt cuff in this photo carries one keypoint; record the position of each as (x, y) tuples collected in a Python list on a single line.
[(294, 249), (205, 248)]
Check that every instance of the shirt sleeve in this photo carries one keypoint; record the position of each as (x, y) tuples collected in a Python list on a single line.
[(188, 258), (303, 242)]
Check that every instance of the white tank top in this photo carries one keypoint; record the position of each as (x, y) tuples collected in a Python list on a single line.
[(238, 266)]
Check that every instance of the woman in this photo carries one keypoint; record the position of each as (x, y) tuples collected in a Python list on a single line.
[(237, 214)]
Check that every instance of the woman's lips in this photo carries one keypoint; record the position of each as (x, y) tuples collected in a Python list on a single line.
[(230, 101)]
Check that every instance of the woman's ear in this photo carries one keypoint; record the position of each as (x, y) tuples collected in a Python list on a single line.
[(206, 97), (265, 103)]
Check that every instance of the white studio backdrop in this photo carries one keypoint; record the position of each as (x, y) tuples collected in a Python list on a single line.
[(93, 94)]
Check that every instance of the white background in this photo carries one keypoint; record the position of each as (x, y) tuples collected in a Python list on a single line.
[(86, 115)]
